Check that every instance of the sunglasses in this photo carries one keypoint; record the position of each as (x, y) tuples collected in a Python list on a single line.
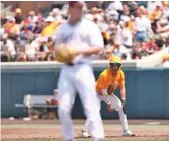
[(115, 64)]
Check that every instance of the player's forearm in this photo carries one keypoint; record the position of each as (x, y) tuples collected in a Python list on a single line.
[(123, 93), (90, 51)]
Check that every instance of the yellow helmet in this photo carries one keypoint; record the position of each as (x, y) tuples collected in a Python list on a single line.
[(115, 63), (115, 59)]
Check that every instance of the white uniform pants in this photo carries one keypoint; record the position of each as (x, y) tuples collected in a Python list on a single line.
[(117, 105), (78, 78)]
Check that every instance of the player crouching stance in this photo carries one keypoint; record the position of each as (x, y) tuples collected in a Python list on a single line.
[(107, 82)]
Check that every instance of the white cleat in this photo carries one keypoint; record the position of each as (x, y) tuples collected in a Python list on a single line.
[(128, 133), (85, 134)]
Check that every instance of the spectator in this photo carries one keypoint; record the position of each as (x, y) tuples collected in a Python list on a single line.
[(157, 12), (163, 29), (131, 24), (30, 50), (125, 13), (21, 56), (8, 52), (95, 12), (56, 15), (119, 50), (11, 28), (32, 18), (143, 27), (18, 16), (42, 49), (113, 31), (50, 27), (126, 34), (26, 30), (37, 29)]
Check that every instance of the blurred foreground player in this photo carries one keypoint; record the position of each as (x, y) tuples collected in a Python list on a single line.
[(107, 82), (76, 75)]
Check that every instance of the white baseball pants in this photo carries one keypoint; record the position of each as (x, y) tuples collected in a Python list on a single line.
[(79, 78), (117, 105)]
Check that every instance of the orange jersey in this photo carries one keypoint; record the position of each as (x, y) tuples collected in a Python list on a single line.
[(106, 78), (50, 29)]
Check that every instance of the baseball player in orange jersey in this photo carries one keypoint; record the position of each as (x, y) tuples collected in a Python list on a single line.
[(108, 81)]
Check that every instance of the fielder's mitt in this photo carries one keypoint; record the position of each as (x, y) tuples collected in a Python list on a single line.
[(110, 89), (64, 54)]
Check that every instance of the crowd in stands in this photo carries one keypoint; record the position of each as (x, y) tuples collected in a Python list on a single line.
[(129, 30)]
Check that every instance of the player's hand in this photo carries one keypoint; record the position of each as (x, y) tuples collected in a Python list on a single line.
[(64, 54), (123, 101), (109, 108), (110, 89)]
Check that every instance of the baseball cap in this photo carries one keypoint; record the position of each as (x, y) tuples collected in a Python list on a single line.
[(115, 59)]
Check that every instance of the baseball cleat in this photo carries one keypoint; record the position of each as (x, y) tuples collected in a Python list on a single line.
[(128, 133), (85, 134)]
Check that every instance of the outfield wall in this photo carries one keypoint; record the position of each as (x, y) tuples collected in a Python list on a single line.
[(147, 89)]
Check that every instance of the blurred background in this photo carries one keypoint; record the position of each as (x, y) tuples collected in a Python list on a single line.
[(131, 30)]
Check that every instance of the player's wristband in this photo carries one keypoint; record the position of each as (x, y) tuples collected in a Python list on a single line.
[(104, 92), (123, 100)]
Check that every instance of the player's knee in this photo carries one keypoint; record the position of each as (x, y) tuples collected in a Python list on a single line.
[(63, 110), (118, 108)]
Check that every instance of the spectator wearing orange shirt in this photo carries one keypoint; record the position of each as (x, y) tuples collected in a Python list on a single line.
[(11, 28), (50, 27), (157, 13)]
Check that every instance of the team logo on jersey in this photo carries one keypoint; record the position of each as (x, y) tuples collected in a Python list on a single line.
[(66, 37), (85, 38)]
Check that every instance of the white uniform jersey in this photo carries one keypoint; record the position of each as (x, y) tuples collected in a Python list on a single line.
[(79, 77), (83, 35)]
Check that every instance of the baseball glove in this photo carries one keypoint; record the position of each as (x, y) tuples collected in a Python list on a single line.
[(110, 89), (64, 54)]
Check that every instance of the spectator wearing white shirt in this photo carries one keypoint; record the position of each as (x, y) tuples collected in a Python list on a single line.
[(143, 27), (30, 50), (126, 34), (32, 18), (7, 48), (120, 50)]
